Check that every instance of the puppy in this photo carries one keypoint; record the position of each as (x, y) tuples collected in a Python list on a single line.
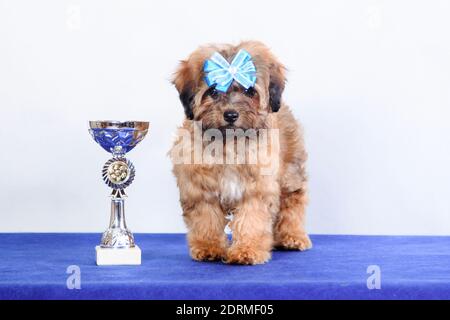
[(267, 210)]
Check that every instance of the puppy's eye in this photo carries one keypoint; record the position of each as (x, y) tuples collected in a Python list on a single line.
[(212, 92), (250, 92)]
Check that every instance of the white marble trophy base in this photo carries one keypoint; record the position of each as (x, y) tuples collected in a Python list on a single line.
[(123, 256)]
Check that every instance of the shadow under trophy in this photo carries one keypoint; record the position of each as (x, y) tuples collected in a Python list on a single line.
[(117, 245)]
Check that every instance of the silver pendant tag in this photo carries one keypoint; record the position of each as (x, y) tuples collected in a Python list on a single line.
[(227, 229)]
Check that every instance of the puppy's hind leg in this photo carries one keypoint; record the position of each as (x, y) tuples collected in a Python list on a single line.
[(289, 230), (206, 222)]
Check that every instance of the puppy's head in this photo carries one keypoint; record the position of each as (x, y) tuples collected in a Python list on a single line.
[(238, 107)]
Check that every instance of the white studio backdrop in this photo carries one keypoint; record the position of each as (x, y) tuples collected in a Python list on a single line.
[(369, 80)]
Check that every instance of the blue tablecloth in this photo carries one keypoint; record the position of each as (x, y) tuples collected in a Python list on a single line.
[(33, 266)]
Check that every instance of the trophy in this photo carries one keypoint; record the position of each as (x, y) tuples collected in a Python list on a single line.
[(117, 245)]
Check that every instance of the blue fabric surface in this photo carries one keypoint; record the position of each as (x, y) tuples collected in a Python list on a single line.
[(33, 266)]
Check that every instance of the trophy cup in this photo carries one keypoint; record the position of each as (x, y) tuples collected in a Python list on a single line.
[(117, 245)]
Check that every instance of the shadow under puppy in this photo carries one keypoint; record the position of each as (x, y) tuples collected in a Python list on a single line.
[(226, 87)]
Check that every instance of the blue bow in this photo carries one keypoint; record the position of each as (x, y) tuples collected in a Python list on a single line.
[(221, 74)]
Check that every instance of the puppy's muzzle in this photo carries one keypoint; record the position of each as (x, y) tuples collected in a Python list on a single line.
[(231, 116)]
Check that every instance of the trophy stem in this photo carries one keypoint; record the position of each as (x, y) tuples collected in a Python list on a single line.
[(117, 235), (117, 219)]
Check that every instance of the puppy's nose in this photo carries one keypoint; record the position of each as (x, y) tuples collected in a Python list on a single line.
[(230, 116)]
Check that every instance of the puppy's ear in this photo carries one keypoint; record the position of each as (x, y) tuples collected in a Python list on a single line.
[(185, 85), (187, 99), (276, 85)]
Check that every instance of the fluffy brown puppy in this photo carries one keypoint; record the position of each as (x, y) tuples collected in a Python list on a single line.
[(268, 209)]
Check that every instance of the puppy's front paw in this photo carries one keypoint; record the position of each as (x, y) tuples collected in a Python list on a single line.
[(246, 255), (207, 253), (299, 242)]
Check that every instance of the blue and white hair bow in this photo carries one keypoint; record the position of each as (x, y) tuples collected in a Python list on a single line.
[(221, 73)]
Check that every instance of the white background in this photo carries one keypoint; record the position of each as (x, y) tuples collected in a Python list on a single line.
[(369, 80)]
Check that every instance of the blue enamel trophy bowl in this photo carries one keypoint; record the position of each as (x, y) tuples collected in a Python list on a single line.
[(118, 137)]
